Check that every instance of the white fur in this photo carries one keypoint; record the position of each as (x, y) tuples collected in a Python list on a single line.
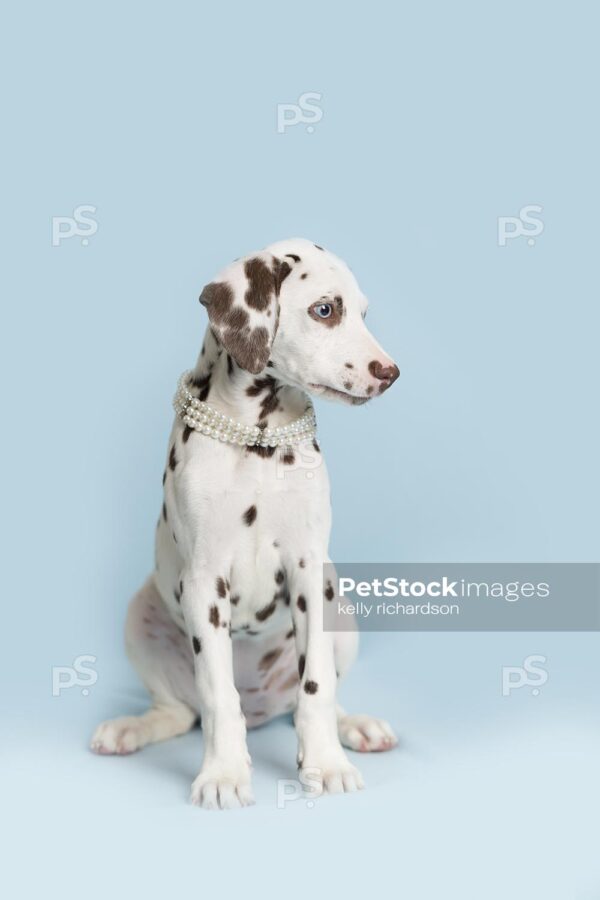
[(206, 547)]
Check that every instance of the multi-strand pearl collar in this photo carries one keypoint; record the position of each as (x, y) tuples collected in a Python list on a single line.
[(204, 418)]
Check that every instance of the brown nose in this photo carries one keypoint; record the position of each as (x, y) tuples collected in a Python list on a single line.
[(386, 374)]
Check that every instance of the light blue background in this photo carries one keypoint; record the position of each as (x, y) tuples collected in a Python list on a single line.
[(437, 119)]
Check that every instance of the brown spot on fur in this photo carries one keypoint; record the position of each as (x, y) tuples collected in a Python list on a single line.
[(279, 576), (348, 385), (301, 664), (290, 634), (370, 389), (311, 687), (164, 511), (301, 563), (172, 459), (248, 346), (235, 600), (202, 383), (250, 515), (301, 603), (217, 297), (186, 433), (318, 248), (266, 611), (288, 457), (316, 446), (329, 592), (221, 587), (281, 270), (213, 616), (164, 478), (304, 275), (269, 659), (196, 645), (349, 365), (238, 318), (269, 402), (261, 284), (258, 386)]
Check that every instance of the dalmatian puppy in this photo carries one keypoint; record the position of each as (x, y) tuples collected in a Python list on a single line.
[(228, 628)]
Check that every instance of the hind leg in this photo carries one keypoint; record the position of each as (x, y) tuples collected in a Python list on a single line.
[(359, 732), (162, 657)]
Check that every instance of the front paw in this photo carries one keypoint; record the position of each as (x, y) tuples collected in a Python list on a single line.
[(366, 734), (330, 772), (223, 786), (120, 736)]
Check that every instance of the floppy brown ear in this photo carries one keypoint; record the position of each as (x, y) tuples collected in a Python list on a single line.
[(243, 307)]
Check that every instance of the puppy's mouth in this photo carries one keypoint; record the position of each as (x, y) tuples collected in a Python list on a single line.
[(322, 390)]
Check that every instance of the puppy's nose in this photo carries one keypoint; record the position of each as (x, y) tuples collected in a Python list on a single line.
[(385, 374)]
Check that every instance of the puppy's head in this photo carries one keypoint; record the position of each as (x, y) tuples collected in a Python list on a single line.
[(296, 310)]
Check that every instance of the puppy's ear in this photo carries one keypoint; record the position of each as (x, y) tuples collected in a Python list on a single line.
[(243, 307)]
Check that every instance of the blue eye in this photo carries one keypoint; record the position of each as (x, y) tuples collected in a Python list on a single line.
[(324, 310)]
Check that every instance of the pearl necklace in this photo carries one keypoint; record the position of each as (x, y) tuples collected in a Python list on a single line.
[(204, 418)]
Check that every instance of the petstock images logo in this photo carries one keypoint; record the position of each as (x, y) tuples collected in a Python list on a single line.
[(462, 596)]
